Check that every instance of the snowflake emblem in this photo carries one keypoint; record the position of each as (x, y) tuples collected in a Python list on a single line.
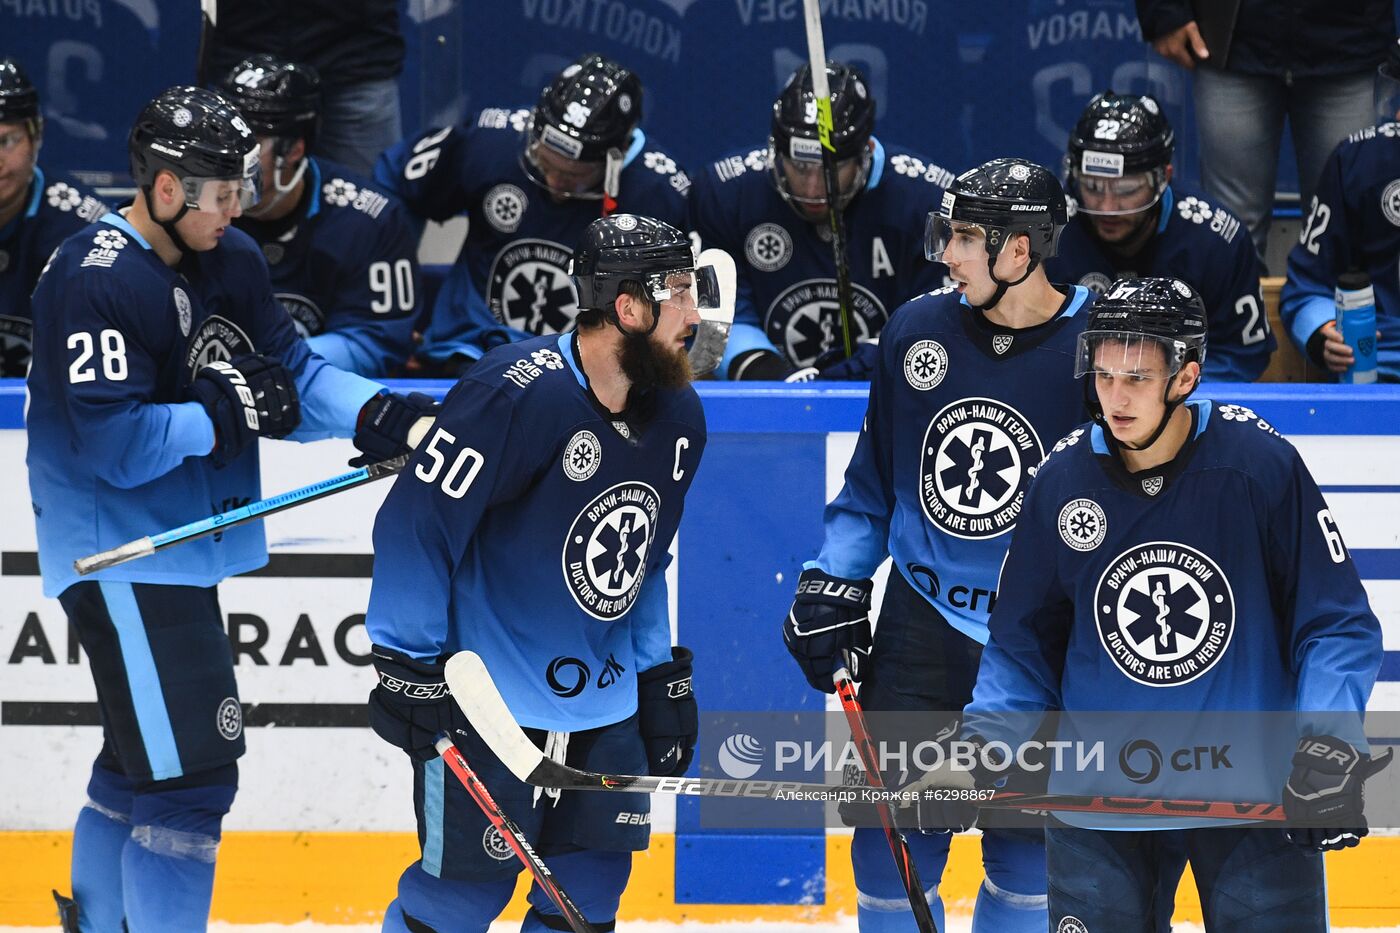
[(925, 364), (768, 246), (1083, 525), (1236, 413), (757, 160), (1020, 173), (109, 239), (1195, 210), (547, 359), (660, 163), (507, 210), (340, 192), (1069, 440), (63, 196)]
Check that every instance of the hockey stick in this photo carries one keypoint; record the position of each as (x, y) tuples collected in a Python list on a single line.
[(476, 694), (513, 835), (144, 547), (899, 846), (816, 56)]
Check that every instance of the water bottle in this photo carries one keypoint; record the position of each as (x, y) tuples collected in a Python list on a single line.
[(1356, 322)]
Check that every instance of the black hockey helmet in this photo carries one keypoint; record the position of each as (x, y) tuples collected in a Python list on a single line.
[(627, 248), (591, 106), (1005, 197), (1388, 86), (1117, 136), (19, 101), (199, 137), (277, 97), (794, 136)]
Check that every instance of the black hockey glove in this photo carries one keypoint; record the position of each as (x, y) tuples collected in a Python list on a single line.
[(246, 397), (667, 714), (759, 365), (1323, 798), (829, 614), (411, 705), (386, 427)]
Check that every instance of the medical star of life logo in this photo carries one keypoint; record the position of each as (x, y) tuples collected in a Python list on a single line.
[(16, 345), (529, 288), (768, 247), (975, 465), (804, 321), (1082, 524), (1165, 613), (340, 192), (606, 552), (218, 339), (925, 364), (504, 207), (63, 196), (582, 455)]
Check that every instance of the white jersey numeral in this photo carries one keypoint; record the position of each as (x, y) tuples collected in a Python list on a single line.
[(392, 286), (455, 483), (113, 349), (1333, 535)]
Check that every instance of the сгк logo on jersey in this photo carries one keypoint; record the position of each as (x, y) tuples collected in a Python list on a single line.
[(805, 320), (1165, 613), (975, 466), (529, 287), (606, 552)]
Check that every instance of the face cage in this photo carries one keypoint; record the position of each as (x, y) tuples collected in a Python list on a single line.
[(1157, 178), (1130, 357), (593, 191), (780, 180)]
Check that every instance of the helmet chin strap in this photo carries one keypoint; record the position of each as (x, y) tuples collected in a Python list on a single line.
[(1002, 286), (168, 225), (1096, 409), (282, 190)]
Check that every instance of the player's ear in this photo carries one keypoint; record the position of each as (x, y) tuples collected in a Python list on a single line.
[(168, 190), (297, 152), (1188, 378), (1168, 177)]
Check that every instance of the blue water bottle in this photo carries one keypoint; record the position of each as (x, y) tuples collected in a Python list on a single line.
[(1356, 322)]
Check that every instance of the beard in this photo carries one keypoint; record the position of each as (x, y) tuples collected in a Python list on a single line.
[(648, 364)]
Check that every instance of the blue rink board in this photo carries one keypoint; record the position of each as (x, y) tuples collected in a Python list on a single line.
[(755, 512)]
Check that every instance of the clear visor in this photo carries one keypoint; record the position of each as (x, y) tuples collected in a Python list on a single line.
[(698, 288), (562, 176), (1138, 357), (1116, 197), (1387, 98), (221, 195), (803, 182), (943, 236)]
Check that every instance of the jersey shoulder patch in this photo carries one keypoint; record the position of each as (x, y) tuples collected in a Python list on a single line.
[(739, 164), (661, 163), (1195, 209), (1240, 416), (1078, 438), (908, 165), (354, 194), (502, 118), (67, 199)]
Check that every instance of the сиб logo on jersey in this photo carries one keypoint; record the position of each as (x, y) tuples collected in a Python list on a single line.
[(504, 207), (805, 320), (529, 288), (218, 338), (975, 466), (606, 552), (307, 318), (16, 345), (1165, 613)]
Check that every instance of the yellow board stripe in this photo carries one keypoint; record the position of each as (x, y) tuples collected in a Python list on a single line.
[(287, 877)]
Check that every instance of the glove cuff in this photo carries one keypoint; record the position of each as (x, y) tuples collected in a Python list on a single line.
[(669, 678), (414, 680), (816, 586)]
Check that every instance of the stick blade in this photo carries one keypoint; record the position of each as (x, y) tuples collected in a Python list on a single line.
[(482, 704)]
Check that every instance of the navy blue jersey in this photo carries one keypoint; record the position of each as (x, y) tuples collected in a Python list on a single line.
[(1216, 581), (786, 298), (345, 266), (56, 208), (1353, 223), (116, 452), (511, 279), (533, 528), (1202, 244), (961, 411)]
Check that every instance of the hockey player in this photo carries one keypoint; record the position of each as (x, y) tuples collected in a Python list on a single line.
[(972, 384), (1176, 556), (160, 357), (530, 181), (1129, 221), (1352, 223), (342, 253), (533, 529), (37, 212), (769, 206)]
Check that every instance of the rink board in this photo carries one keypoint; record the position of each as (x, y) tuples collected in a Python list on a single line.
[(315, 775)]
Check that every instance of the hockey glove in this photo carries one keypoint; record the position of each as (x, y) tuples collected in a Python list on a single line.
[(759, 365), (411, 705), (246, 397), (833, 364), (829, 614), (667, 714), (1323, 798), (391, 424)]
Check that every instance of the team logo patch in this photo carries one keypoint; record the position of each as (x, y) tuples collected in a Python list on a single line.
[(1001, 343), (529, 287), (504, 207), (1194, 210), (582, 455), (1390, 202), (625, 222), (925, 364), (495, 845), (1152, 485), (182, 310), (1165, 613), (976, 463), (63, 196), (1096, 282), (16, 345), (218, 338), (339, 192), (273, 253), (1082, 524), (606, 552), (768, 247), (1071, 924), (229, 718), (804, 321), (181, 117), (307, 317), (1019, 172)]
